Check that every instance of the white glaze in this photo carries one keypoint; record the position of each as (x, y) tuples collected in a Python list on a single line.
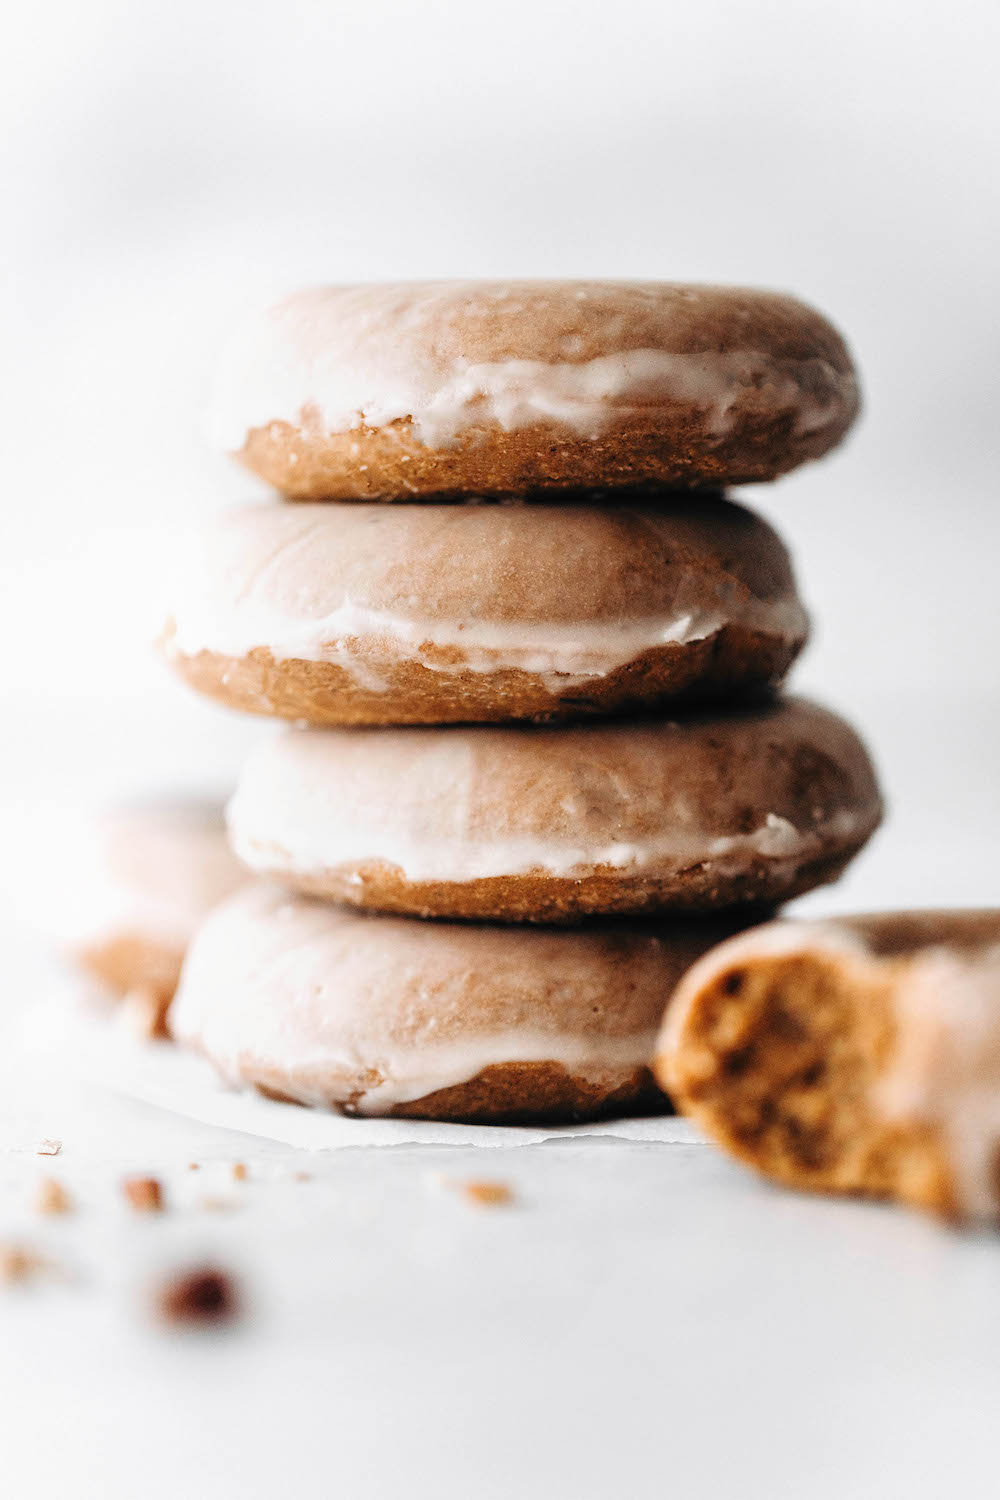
[(332, 359), (352, 586), (279, 825), (945, 1071), (403, 1074), (354, 637), (467, 803), (370, 1013)]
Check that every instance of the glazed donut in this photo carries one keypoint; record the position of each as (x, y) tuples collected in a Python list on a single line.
[(385, 1016), (424, 614), (162, 865), (527, 824), (859, 1056), (436, 389)]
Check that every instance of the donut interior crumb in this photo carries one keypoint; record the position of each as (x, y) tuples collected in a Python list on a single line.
[(781, 1063), (48, 1148), (52, 1197), (205, 1296), (144, 1194)]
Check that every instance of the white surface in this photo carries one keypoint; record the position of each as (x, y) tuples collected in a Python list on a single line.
[(645, 1318)]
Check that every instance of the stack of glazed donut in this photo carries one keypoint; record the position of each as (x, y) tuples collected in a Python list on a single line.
[(537, 760)]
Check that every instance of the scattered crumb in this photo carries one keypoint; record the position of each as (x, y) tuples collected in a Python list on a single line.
[(303, 1177), (18, 1264), (48, 1148), (484, 1191), (194, 1166), (203, 1296), (144, 1194), (240, 1171), (52, 1197), (216, 1205), (486, 1194)]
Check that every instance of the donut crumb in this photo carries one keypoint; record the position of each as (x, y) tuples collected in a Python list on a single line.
[(240, 1171), (144, 1194), (18, 1264), (52, 1197), (203, 1296), (48, 1148), (487, 1194)]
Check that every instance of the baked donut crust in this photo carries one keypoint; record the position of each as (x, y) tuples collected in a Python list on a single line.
[(858, 1055), (432, 389), (526, 824), (322, 1006), (521, 1093), (558, 902), (448, 614), (735, 665)]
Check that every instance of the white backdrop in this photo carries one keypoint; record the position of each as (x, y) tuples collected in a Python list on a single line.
[(171, 161)]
